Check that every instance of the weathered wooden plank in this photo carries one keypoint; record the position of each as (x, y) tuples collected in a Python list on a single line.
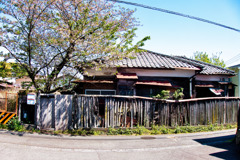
[(188, 113), (193, 111), (84, 112), (159, 113), (138, 112), (106, 113), (150, 111), (135, 109), (95, 112), (132, 112), (147, 113), (236, 107), (116, 112), (186, 121), (219, 111), (89, 112), (228, 114), (141, 113), (178, 116), (121, 114), (153, 113), (201, 113), (111, 112), (125, 113)]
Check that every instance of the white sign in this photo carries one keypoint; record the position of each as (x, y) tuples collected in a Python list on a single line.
[(31, 98)]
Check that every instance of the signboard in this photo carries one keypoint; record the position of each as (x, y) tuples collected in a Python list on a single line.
[(31, 98)]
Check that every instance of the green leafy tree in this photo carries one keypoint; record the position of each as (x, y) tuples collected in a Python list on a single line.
[(11, 70), (215, 59), (53, 38), (5, 69)]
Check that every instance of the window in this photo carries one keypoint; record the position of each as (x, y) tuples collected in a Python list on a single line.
[(100, 92)]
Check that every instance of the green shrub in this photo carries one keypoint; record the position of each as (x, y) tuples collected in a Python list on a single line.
[(164, 94), (15, 124), (140, 130), (178, 130), (155, 130), (96, 133), (178, 94), (164, 130), (3, 126), (111, 131), (82, 132)]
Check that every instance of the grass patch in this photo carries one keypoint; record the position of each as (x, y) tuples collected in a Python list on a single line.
[(15, 125)]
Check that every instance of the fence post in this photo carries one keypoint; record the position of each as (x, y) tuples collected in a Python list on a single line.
[(19, 107), (132, 112), (37, 110), (6, 101)]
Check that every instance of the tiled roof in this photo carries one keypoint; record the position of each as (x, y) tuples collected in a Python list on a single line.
[(148, 59), (208, 69)]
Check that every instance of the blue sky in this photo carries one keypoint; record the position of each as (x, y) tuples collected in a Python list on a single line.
[(175, 35)]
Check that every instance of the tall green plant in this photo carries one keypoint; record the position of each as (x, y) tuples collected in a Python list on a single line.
[(178, 94)]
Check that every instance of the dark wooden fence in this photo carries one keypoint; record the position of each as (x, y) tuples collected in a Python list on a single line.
[(85, 111)]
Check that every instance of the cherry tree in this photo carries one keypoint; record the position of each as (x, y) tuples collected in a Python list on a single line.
[(54, 38)]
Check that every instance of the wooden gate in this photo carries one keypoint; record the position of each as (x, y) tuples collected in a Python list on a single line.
[(8, 106), (47, 115)]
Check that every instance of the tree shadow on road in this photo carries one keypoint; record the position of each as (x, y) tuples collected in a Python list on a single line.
[(223, 142)]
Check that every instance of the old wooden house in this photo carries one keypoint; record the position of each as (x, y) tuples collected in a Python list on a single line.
[(149, 73)]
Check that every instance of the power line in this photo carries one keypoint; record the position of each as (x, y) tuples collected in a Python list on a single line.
[(234, 59), (176, 13)]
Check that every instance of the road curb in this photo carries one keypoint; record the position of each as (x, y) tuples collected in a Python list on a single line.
[(117, 137)]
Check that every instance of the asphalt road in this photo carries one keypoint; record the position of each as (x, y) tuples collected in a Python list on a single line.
[(210, 145)]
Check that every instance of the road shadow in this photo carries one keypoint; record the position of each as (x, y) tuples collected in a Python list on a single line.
[(223, 142), (12, 132)]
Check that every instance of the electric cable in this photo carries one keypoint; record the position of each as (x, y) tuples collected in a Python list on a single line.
[(176, 13)]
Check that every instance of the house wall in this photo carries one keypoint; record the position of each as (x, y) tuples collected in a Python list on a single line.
[(80, 89), (99, 86), (211, 77), (236, 80), (159, 73), (177, 77)]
